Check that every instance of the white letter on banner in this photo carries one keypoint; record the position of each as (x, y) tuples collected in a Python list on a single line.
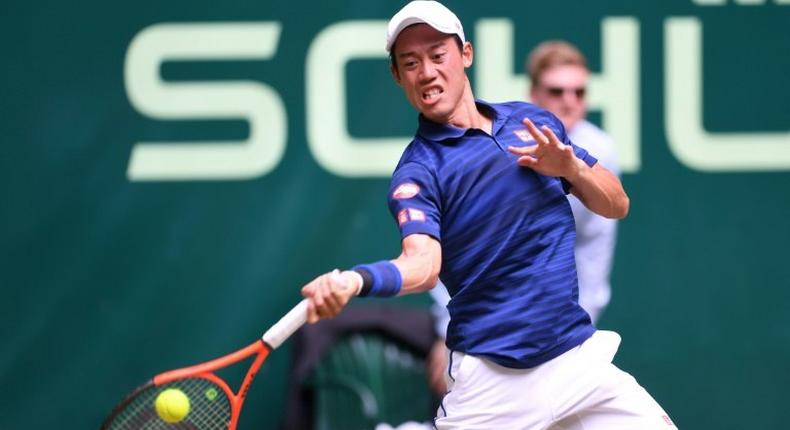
[(614, 91), (253, 101), (710, 2), (688, 140), (327, 124), (494, 77)]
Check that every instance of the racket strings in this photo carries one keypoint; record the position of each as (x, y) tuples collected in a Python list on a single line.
[(209, 408)]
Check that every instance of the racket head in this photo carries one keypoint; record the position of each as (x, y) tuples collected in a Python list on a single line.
[(210, 406), (213, 405)]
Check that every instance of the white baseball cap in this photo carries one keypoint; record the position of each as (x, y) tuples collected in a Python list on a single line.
[(428, 12)]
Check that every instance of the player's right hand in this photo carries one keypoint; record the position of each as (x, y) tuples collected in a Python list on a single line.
[(328, 294)]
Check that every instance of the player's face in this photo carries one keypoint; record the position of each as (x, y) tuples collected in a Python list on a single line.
[(430, 69), (562, 91)]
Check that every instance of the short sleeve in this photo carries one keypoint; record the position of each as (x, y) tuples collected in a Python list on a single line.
[(414, 201)]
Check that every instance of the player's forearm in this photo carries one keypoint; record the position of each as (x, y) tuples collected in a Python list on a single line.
[(419, 265), (599, 190), (419, 274), (414, 271)]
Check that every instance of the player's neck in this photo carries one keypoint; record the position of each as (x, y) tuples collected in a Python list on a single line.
[(467, 115)]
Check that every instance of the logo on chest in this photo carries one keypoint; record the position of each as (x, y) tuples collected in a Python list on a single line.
[(523, 135)]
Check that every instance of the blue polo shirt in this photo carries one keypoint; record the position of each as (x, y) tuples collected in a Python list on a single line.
[(507, 236)]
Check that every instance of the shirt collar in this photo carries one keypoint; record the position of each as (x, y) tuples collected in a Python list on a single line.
[(438, 132)]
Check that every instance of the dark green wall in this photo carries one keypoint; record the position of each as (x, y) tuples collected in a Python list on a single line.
[(107, 281)]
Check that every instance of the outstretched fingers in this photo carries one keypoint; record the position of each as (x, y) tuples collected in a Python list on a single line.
[(536, 134), (523, 150), (549, 156), (549, 133)]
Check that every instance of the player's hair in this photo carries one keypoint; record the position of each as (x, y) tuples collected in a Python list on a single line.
[(392, 51), (550, 54)]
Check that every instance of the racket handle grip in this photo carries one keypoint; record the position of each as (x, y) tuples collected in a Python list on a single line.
[(288, 324)]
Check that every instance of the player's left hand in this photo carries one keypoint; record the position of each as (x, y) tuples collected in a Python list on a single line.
[(549, 156), (328, 294)]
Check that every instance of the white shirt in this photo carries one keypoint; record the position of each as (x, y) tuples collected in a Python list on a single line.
[(595, 235)]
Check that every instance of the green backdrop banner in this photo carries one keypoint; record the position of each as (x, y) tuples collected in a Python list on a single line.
[(173, 172)]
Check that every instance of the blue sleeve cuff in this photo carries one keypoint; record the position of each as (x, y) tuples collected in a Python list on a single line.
[(420, 228)]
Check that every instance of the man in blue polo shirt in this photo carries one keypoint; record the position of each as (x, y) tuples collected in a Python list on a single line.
[(479, 196)]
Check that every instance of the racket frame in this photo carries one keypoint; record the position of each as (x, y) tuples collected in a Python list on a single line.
[(261, 348)]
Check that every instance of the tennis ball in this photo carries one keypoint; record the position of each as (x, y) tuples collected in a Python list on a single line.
[(172, 405)]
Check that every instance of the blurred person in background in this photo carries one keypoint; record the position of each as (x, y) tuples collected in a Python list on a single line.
[(559, 77)]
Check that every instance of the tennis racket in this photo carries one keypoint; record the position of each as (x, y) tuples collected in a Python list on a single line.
[(212, 403)]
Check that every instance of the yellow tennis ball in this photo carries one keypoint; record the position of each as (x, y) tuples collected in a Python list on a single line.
[(172, 405)]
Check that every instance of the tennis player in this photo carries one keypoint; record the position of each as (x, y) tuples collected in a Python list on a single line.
[(479, 196)]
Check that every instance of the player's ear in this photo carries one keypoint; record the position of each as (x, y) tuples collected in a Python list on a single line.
[(395, 73), (467, 54)]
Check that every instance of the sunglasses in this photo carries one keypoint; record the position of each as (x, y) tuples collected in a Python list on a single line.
[(559, 91)]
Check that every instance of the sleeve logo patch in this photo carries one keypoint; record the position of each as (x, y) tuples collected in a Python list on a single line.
[(410, 214), (416, 215), (403, 217), (406, 191)]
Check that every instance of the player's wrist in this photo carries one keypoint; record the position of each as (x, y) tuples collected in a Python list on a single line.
[(354, 279), (380, 279), (575, 171)]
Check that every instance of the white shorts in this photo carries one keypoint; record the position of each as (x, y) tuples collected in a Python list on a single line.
[(579, 390)]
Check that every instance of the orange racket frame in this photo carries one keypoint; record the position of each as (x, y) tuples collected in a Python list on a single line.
[(205, 371), (270, 341)]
